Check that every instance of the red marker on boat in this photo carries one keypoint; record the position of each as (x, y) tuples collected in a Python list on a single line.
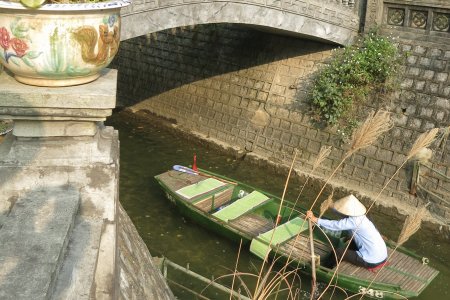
[(194, 165), (278, 219)]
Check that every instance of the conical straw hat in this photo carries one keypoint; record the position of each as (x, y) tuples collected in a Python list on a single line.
[(349, 206)]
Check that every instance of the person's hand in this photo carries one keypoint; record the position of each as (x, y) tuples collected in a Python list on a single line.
[(311, 216)]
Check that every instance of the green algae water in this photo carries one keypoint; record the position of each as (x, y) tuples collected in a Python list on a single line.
[(148, 150)]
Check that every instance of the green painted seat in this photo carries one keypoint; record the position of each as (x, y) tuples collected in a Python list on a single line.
[(282, 233), (241, 206), (199, 188)]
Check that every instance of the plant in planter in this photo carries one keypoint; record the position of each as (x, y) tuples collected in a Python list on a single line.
[(58, 44)]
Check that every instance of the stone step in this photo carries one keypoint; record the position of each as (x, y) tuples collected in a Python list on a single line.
[(33, 241), (77, 274)]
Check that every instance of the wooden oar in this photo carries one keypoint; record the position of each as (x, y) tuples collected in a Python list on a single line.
[(313, 260), (187, 170)]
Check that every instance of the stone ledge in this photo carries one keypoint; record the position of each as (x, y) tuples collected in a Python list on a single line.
[(100, 94), (17, 152)]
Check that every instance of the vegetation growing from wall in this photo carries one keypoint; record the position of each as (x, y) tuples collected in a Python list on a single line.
[(367, 68)]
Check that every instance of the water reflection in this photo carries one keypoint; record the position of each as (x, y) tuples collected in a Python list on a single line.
[(147, 151)]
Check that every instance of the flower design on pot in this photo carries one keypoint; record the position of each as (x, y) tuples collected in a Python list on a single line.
[(15, 49)]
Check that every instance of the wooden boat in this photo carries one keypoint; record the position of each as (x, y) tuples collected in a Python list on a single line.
[(239, 211)]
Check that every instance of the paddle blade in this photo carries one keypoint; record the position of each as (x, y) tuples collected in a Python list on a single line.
[(184, 169)]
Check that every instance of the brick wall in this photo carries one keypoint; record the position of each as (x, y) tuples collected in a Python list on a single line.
[(248, 88)]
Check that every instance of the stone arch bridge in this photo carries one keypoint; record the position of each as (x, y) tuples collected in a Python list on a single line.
[(335, 21)]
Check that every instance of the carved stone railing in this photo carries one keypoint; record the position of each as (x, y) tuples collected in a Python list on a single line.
[(334, 20), (158, 4), (426, 20)]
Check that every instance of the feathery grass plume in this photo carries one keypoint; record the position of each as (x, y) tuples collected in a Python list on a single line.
[(411, 225), (423, 141), (423, 155), (326, 204), (444, 136), (323, 153), (374, 126)]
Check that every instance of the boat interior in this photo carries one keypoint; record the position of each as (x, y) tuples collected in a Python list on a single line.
[(255, 214)]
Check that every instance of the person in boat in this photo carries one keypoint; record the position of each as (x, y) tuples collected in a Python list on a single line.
[(367, 248)]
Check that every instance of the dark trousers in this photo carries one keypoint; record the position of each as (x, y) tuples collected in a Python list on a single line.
[(351, 256)]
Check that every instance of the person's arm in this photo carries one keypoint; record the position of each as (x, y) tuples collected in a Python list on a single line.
[(343, 224), (310, 215)]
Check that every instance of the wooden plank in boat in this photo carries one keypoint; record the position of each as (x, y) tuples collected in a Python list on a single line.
[(389, 276), (416, 281), (430, 274), (397, 259), (298, 250), (407, 282), (319, 246), (175, 180), (252, 224), (215, 200), (386, 276), (413, 284), (409, 265), (345, 268), (426, 272), (302, 249)]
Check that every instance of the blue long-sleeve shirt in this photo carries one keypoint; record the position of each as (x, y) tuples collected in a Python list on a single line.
[(367, 238)]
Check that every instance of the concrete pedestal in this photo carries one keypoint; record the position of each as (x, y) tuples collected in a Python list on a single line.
[(60, 233), (65, 111), (59, 172)]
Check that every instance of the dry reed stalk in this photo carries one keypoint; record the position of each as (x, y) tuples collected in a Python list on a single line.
[(411, 225), (326, 204), (423, 155), (278, 213), (323, 153), (313, 260), (423, 141), (372, 128), (235, 268)]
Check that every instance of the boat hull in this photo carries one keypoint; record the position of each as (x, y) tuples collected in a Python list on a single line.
[(357, 284)]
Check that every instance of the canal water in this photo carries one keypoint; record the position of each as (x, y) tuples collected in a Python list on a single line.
[(148, 150)]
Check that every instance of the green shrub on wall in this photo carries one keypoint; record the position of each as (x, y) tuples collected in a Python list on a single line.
[(355, 72)]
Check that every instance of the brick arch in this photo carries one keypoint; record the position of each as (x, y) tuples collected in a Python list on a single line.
[(316, 19)]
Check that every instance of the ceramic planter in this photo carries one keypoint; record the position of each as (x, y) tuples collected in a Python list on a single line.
[(59, 44)]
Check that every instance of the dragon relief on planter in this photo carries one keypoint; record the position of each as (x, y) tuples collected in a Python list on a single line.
[(106, 43)]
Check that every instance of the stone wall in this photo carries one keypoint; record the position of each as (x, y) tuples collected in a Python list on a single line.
[(248, 89), (137, 275)]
